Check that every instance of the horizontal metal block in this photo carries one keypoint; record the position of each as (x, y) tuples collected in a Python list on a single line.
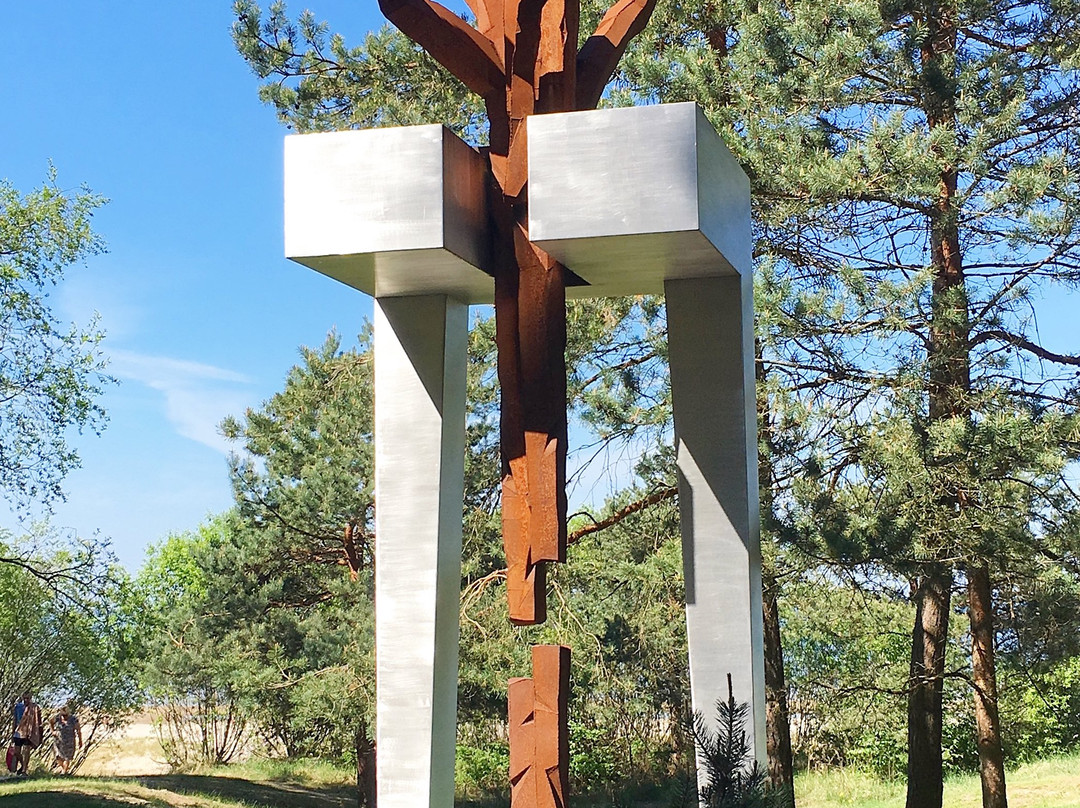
[(392, 212), (628, 198)]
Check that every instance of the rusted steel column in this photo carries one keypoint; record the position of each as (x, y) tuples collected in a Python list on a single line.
[(522, 58), (531, 336), (539, 734)]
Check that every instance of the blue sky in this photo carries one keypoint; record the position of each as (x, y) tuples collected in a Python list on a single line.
[(149, 104)]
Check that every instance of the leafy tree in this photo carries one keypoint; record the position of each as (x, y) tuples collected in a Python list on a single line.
[(64, 642), (190, 668), (50, 374)]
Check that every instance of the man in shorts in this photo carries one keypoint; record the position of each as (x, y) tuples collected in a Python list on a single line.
[(27, 732)]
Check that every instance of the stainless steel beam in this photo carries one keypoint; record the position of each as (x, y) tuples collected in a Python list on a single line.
[(392, 212), (420, 356), (710, 347), (628, 198)]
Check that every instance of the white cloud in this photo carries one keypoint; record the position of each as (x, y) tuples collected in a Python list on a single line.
[(197, 396), (82, 295)]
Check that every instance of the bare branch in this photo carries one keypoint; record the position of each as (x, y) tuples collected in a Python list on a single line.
[(622, 513), (1024, 344)]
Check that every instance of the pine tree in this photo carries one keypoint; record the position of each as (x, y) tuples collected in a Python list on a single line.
[(734, 779), (914, 170)]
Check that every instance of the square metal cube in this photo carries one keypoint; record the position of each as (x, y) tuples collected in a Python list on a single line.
[(392, 212), (628, 198)]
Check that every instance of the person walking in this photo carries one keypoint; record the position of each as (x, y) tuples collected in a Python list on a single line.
[(68, 734), (27, 732)]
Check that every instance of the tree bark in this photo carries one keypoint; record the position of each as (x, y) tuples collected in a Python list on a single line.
[(949, 388), (933, 595), (366, 791), (777, 729), (987, 723)]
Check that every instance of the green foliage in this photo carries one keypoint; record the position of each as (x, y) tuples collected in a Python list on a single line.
[(733, 778), (303, 552), (845, 657), (480, 771), (50, 373), (67, 632), (1043, 713), (265, 615), (318, 83), (304, 474), (189, 667)]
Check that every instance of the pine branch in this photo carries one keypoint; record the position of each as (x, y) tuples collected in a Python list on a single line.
[(622, 513), (1018, 341)]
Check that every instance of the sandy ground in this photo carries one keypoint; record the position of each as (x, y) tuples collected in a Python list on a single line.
[(133, 751)]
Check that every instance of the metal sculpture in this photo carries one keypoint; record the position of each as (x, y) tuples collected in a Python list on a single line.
[(522, 58), (645, 200), (539, 740)]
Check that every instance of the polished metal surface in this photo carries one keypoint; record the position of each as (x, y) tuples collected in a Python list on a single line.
[(420, 356), (391, 212), (642, 200), (629, 198), (710, 348)]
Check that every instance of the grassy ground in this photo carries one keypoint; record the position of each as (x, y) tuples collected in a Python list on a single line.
[(270, 784), (251, 785), (1046, 784)]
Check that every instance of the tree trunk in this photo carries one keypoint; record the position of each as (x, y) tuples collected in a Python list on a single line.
[(987, 723), (949, 387), (777, 729), (366, 790), (932, 600)]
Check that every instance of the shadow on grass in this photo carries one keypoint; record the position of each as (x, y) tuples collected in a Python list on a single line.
[(271, 795), (51, 799)]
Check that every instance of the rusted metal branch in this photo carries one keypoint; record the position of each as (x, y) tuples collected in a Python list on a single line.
[(455, 44), (599, 56)]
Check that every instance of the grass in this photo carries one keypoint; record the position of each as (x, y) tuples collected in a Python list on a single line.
[(171, 791), (77, 792), (1051, 783), (254, 784), (313, 784)]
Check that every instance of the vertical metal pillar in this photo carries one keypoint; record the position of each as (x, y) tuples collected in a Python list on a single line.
[(420, 360), (711, 352)]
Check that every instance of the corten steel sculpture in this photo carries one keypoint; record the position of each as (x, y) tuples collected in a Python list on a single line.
[(523, 59), (539, 739)]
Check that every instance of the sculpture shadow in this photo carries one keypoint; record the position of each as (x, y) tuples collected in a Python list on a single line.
[(269, 794)]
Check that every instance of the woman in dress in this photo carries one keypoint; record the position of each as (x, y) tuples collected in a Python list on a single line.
[(68, 736)]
